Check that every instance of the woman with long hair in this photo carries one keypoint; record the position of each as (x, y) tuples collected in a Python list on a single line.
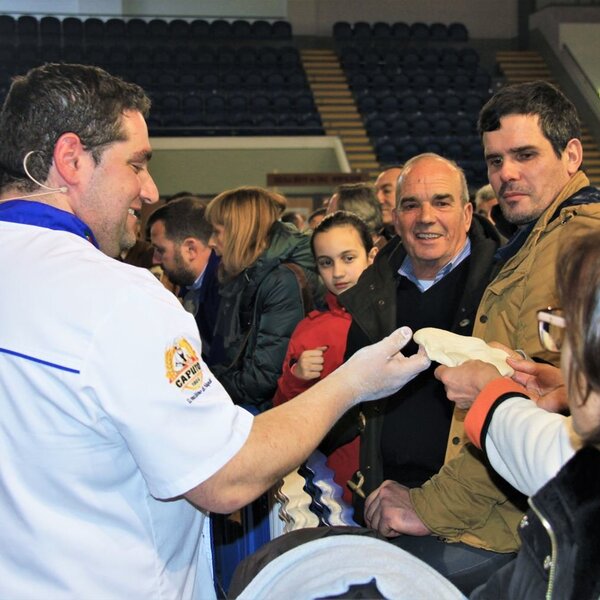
[(266, 265)]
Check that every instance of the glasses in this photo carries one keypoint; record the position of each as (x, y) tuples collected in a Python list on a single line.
[(551, 328)]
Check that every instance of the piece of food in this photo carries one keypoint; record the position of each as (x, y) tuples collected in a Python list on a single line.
[(451, 349)]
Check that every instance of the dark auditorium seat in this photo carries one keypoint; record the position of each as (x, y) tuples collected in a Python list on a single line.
[(419, 31), (438, 32), (50, 30), (342, 30), (220, 29), (8, 29), (241, 30), (115, 30), (179, 31), (401, 31), (137, 31), (381, 31), (281, 30), (27, 30), (261, 30), (457, 32), (93, 30)]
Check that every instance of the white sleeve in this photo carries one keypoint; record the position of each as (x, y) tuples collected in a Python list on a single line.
[(527, 445), (144, 370)]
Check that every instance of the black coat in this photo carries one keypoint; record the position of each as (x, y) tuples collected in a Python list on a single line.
[(265, 303), (372, 304), (560, 557)]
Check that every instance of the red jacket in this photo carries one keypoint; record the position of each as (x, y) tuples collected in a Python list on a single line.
[(328, 328)]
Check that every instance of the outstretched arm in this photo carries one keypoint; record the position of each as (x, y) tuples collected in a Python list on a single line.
[(283, 437)]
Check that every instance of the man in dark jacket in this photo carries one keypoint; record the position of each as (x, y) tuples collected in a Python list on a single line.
[(432, 275), (179, 234)]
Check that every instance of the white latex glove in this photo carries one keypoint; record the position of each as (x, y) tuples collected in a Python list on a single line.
[(380, 370)]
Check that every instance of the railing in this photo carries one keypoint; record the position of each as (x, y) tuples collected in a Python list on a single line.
[(581, 72), (545, 3)]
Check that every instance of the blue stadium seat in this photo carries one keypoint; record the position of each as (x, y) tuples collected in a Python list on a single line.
[(137, 31), (361, 31), (281, 30), (50, 30), (178, 31), (220, 29), (240, 29), (27, 30), (381, 31), (199, 30), (401, 31), (457, 32), (419, 31), (342, 31), (93, 30), (8, 29), (438, 32), (261, 30)]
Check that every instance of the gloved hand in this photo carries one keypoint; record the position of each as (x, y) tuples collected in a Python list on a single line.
[(379, 370)]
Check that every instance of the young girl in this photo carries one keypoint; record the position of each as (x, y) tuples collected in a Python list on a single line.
[(343, 249)]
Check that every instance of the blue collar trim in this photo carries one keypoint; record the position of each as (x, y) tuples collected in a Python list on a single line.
[(28, 212)]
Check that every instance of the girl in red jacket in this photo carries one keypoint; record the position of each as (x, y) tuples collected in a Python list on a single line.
[(343, 249)]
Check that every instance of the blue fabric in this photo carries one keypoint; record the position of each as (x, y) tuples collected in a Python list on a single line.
[(28, 212), (407, 270)]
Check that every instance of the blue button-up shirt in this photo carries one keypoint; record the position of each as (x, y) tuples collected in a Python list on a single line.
[(406, 268)]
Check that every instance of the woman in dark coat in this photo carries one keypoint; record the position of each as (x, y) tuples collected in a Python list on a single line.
[(265, 267)]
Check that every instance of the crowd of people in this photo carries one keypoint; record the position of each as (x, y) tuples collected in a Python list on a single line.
[(132, 407)]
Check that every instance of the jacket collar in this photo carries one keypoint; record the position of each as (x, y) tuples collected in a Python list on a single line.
[(29, 212)]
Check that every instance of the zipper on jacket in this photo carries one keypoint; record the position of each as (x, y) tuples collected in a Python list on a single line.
[(553, 543)]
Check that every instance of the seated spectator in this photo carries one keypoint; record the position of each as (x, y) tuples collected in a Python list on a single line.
[(265, 266), (360, 199), (343, 249), (559, 534)]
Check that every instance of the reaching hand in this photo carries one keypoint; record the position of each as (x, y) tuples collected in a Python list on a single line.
[(543, 382), (463, 383), (389, 510), (310, 364), (380, 370)]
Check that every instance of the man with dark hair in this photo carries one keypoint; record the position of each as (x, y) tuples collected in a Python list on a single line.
[(531, 139), (26, 155), (180, 233), (113, 429)]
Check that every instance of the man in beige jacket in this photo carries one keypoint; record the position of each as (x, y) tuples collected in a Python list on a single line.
[(531, 138)]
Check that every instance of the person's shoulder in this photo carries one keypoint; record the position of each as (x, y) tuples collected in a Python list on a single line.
[(114, 281)]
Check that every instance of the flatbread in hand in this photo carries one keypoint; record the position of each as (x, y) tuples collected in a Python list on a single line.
[(451, 349)]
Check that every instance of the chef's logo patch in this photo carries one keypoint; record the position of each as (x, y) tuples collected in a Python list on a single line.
[(183, 367)]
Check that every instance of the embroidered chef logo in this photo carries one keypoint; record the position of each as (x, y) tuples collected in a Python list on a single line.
[(183, 365)]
